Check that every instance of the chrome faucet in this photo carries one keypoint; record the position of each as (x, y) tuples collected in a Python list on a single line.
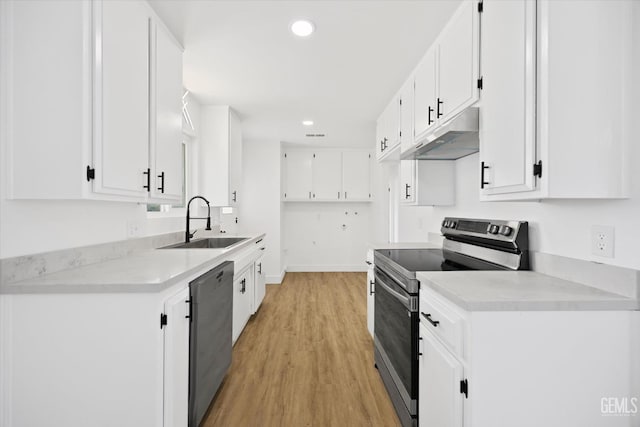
[(188, 235)]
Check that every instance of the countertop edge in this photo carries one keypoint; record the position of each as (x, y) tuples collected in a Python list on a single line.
[(31, 287)]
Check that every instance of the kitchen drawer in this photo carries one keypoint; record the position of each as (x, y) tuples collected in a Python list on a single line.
[(446, 323)]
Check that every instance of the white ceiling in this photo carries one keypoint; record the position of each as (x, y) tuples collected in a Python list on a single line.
[(241, 53)]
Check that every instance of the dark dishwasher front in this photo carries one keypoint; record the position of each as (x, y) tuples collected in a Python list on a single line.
[(209, 338)]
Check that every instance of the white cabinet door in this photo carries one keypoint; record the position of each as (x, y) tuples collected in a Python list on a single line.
[(356, 175), (235, 159), (389, 124), (370, 299), (507, 122), (176, 360), (166, 101), (121, 101), (327, 175), (242, 301), (260, 283), (458, 62), (440, 373), (406, 114), (407, 181), (425, 93), (298, 175)]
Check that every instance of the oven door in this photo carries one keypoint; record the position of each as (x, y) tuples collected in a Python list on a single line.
[(396, 335)]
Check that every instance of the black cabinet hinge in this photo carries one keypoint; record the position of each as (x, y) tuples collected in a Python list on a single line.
[(480, 83), (537, 169), (480, 7), (163, 320), (464, 388), (91, 173)]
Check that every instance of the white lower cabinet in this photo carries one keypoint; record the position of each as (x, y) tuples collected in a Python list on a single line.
[(260, 283), (371, 283), (440, 373), (523, 368), (242, 300), (176, 360), (249, 285)]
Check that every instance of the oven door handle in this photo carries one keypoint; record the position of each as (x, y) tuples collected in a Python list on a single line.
[(404, 299)]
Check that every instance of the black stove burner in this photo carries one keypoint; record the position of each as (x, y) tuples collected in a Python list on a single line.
[(421, 260)]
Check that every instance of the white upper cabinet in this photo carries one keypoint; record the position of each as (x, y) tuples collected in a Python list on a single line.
[(507, 122), (297, 175), (388, 131), (220, 155), (427, 182), (327, 175), (121, 98), (356, 175), (425, 96), (546, 129), (458, 62), (446, 80), (166, 115), (92, 67), (406, 114)]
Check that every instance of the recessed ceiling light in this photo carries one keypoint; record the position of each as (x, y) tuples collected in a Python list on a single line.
[(302, 28), (307, 122)]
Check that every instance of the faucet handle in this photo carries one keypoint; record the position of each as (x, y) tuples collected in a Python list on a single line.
[(192, 234)]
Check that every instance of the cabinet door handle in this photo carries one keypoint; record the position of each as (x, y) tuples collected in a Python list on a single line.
[(381, 146), (385, 143), (244, 286), (371, 284), (161, 188), (148, 173), (338, 194), (406, 191), (427, 316), (482, 181), (260, 268), (235, 196), (345, 195), (309, 194), (439, 113), (429, 119), (188, 316)]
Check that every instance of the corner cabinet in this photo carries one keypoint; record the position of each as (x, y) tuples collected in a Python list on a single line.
[(326, 175), (115, 67), (220, 155), (427, 182), (546, 130)]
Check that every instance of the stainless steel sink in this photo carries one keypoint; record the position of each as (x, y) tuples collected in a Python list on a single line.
[(208, 243)]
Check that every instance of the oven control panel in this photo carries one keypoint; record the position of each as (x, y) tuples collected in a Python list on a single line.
[(500, 230)]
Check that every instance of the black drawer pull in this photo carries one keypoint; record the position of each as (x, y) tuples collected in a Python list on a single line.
[(161, 188), (427, 316)]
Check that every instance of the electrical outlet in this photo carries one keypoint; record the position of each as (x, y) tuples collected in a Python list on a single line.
[(133, 229), (602, 241)]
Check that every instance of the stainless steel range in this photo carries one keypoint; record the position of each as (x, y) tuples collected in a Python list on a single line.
[(469, 244)]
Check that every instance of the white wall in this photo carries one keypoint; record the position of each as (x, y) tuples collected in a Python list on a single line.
[(260, 203), (33, 226), (560, 227)]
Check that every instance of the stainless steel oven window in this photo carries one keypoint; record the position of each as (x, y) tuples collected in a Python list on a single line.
[(396, 331)]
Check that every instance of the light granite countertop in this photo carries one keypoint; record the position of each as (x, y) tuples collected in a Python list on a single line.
[(520, 291), (147, 271)]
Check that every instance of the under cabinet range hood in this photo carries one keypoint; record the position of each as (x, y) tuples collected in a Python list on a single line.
[(452, 140)]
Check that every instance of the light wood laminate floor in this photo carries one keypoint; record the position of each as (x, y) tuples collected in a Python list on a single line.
[(305, 359)]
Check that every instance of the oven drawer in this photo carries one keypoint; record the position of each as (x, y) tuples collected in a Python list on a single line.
[(443, 321)]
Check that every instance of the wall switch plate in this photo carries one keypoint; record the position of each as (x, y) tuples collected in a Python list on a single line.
[(602, 241)]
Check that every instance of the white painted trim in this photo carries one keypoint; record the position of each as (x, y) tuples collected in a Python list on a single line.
[(327, 268), (5, 361), (275, 279)]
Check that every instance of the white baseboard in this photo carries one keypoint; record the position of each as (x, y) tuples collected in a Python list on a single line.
[(275, 279), (327, 268)]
